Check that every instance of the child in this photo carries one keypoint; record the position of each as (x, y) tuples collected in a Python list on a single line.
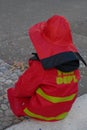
[(49, 87)]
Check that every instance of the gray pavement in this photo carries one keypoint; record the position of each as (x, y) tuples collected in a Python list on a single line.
[(17, 16), (15, 19)]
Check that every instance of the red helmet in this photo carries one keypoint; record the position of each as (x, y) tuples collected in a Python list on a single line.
[(52, 40)]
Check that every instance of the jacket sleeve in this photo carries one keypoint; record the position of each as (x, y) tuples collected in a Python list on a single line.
[(30, 80)]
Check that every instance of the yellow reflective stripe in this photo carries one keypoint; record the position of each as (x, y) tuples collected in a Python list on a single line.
[(59, 117), (54, 99)]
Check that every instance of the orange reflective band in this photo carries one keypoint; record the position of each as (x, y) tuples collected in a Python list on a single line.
[(55, 99), (59, 117)]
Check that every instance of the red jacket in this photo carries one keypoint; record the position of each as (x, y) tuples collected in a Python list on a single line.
[(44, 94)]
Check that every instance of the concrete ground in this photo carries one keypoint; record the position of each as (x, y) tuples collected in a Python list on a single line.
[(17, 16)]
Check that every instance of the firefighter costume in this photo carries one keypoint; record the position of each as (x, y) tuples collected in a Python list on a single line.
[(48, 88)]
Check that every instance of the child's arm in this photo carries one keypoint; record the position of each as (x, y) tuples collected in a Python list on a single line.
[(29, 81)]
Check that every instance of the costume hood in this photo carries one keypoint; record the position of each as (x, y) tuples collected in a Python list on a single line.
[(53, 42)]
